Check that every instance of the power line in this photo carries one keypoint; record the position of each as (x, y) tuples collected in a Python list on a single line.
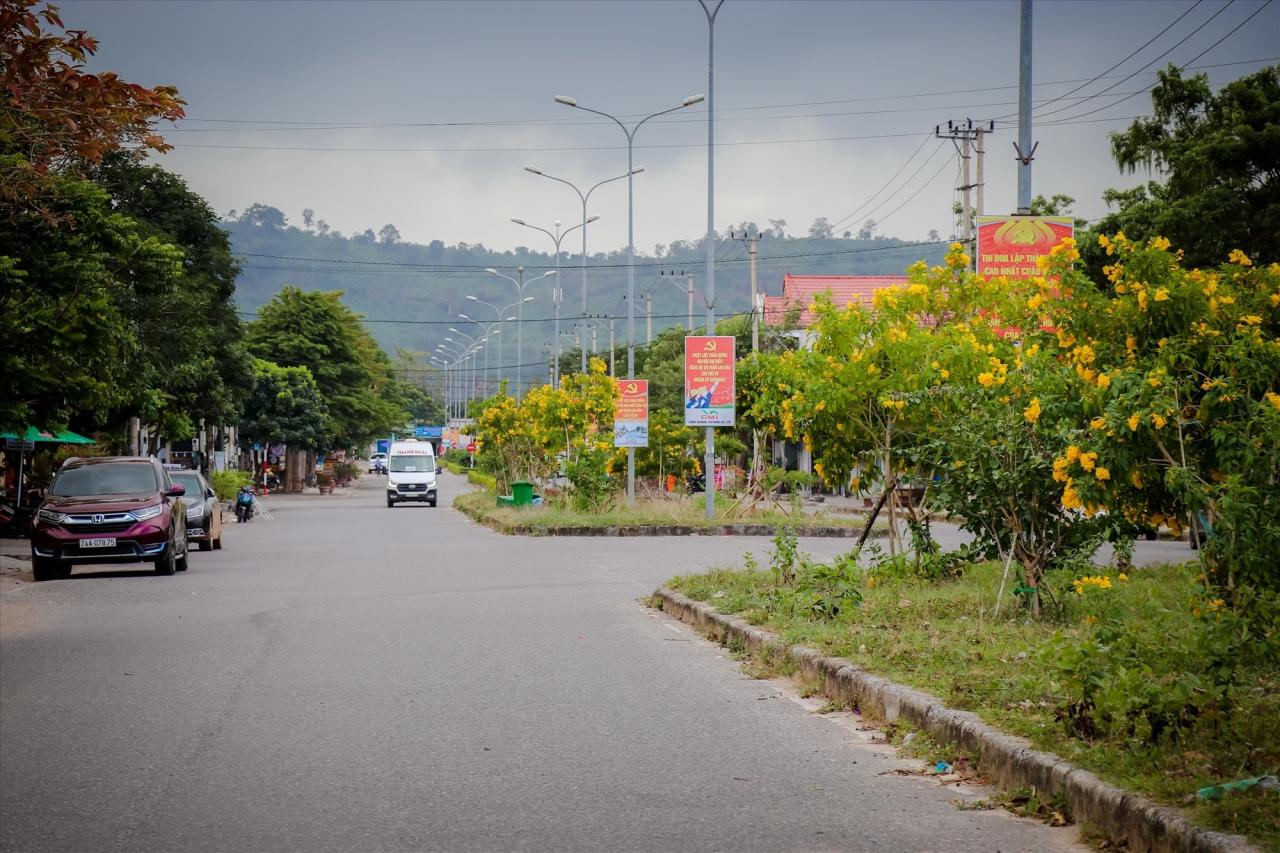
[(923, 141), (1088, 83), (459, 268), (504, 122), (920, 189), (1145, 67)]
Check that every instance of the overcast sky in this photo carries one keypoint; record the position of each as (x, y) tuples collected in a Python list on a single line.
[(870, 80)]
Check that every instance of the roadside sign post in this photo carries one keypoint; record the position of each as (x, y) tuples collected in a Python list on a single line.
[(631, 417), (710, 394)]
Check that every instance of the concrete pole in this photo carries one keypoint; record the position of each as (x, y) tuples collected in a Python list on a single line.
[(648, 307), (689, 324), (1024, 108), (966, 221), (753, 242), (711, 8), (611, 350)]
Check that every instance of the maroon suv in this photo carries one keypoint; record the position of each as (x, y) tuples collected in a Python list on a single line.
[(115, 509)]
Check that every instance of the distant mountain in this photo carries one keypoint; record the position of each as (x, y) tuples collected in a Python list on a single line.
[(412, 294)]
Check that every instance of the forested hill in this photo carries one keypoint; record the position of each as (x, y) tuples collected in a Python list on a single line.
[(411, 294)]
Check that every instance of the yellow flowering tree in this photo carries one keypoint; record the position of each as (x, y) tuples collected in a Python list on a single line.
[(1182, 399)]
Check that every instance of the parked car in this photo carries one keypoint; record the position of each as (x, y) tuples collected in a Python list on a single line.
[(111, 509), (204, 510)]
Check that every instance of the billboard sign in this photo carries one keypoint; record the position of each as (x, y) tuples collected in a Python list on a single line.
[(709, 392), (631, 417), (421, 431), (1008, 246)]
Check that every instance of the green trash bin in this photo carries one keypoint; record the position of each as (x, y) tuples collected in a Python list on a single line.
[(522, 493)]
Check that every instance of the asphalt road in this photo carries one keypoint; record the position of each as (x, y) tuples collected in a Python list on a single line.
[(348, 677)]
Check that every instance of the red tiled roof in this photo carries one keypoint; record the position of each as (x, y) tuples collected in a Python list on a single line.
[(803, 289)]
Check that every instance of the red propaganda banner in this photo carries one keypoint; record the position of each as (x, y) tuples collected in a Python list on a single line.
[(631, 417), (709, 392), (1008, 246)]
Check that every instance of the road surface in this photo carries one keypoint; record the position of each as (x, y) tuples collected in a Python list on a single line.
[(349, 677)]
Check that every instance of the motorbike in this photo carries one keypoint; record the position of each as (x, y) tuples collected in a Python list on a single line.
[(244, 507)]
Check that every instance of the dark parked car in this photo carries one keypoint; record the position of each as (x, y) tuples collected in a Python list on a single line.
[(204, 510), (115, 509)]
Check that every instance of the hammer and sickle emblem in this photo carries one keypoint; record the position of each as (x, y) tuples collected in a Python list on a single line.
[(711, 345), (632, 387)]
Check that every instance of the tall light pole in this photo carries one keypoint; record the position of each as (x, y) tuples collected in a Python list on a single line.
[(557, 290), (439, 362), (520, 286), (711, 8), (630, 134), (583, 197), (491, 330), (499, 311)]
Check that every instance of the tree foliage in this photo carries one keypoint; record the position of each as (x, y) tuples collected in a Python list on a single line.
[(55, 116), (1219, 159), (316, 331), (284, 405)]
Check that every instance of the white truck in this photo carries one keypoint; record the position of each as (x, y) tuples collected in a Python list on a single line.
[(411, 472)]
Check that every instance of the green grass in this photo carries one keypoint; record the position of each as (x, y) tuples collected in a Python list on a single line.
[(942, 637), (646, 513)]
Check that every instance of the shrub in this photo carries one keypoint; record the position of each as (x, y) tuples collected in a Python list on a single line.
[(227, 483)]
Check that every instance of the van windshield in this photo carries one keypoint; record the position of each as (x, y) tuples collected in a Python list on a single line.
[(416, 464)]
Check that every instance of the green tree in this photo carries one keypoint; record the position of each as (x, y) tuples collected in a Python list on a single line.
[(1219, 158), (315, 330), (198, 363), (284, 405), (69, 307)]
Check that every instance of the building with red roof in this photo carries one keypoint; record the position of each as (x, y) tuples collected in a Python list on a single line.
[(802, 290)]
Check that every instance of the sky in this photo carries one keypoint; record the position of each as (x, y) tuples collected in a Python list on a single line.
[(424, 114)]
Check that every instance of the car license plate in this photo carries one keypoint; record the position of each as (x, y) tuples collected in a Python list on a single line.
[(106, 542), (195, 531)]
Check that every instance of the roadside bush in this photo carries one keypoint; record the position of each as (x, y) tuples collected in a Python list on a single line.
[(802, 587), (227, 483)]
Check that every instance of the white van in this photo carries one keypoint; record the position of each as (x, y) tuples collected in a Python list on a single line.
[(411, 472)]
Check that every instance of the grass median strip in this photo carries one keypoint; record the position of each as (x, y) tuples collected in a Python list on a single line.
[(1133, 676), (647, 517)]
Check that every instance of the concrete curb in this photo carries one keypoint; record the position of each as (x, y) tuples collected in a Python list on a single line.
[(742, 529), (1009, 761)]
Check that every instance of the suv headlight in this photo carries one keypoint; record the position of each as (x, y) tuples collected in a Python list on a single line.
[(146, 512), (196, 511), (51, 516)]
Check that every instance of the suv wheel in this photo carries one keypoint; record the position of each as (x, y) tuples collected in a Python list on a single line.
[(167, 564), (44, 569), (390, 502)]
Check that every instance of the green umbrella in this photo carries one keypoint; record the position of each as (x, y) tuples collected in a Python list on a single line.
[(38, 435)]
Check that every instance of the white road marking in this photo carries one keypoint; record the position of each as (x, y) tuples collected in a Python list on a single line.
[(671, 627)]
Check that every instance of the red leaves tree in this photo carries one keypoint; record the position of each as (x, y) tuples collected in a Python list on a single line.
[(55, 116)]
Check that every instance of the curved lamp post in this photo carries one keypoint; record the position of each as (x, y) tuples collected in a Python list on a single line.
[(558, 289), (520, 285), (583, 197), (630, 133)]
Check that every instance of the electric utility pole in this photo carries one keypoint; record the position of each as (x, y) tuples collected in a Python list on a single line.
[(753, 242), (648, 311), (968, 139)]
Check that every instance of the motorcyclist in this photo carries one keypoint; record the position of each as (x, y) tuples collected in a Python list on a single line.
[(244, 504)]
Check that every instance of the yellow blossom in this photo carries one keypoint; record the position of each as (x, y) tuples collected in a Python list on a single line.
[(1162, 294), (1101, 473), (1135, 477), (986, 379), (1098, 423), (1273, 398), (1158, 421), (1073, 453), (1239, 257), (1160, 243), (1087, 460), (1070, 497), (1032, 412), (1134, 420)]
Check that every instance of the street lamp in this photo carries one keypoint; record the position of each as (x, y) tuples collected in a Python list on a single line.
[(500, 319), (582, 342), (630, 133), (558, 290), (520, 286)]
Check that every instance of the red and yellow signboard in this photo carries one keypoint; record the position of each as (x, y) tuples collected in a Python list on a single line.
[(1008, 246), (631, 417), (709, 392)]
